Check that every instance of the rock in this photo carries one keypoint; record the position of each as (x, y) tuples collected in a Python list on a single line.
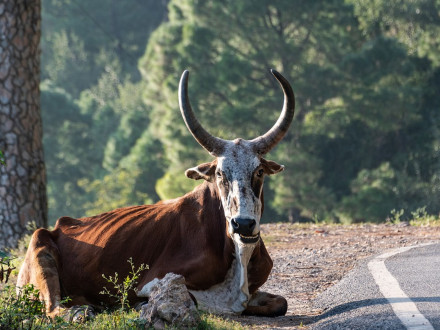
[(169, 303)]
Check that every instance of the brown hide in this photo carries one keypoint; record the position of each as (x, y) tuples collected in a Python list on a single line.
[(185, 236)]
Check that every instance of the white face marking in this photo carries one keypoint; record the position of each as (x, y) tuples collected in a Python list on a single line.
[(238, 163)]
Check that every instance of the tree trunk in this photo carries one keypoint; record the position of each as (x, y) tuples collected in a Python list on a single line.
[(23, 179)]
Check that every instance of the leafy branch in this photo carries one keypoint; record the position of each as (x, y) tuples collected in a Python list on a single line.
[(123, 288), (5, 272), (22, 311)]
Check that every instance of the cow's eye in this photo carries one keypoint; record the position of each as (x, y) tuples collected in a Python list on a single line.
[(260, 172), (219, 174)]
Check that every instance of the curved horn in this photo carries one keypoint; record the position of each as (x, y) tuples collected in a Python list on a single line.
[(211, 143), (263, 144)]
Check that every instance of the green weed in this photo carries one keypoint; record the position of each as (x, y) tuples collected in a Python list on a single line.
[(421, 218), (5, 267), (396, 216), (24, 311), (123, 288)]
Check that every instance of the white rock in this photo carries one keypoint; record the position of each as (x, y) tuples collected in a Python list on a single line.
[(169, 303)]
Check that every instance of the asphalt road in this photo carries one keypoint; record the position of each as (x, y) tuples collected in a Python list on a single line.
[(399, 289)]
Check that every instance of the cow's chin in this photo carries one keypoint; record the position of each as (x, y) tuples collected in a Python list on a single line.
[(241, 239)]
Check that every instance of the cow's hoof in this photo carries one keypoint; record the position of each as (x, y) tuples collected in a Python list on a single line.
[(81, 314), (266, 304), (138, 306)]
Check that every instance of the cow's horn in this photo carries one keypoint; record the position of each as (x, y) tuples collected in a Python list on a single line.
[(211, 143), (263, 144)]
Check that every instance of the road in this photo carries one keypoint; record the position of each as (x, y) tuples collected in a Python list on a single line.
[(399, 289)]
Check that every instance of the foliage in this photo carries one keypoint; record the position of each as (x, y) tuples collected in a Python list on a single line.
[(415, 23), (24, 310), (381, 191), (367, 103), (113, 191), (85, 37), (420, 217), (308, 200), (365, 138), (5, 267), (230, 85), (65, 128), (122, 288), (92, 109), (396, 216), (174, 184)]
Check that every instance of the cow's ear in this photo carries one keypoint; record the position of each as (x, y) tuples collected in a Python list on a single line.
[(204, 171), (270, 167)]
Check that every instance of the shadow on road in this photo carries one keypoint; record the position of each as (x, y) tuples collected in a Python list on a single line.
[(290, 321), (370, 302)]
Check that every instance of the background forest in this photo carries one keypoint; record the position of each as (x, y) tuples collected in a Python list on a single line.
[(365, 141)]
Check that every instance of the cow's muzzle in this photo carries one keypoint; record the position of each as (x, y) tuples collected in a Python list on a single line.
[(245, 227)]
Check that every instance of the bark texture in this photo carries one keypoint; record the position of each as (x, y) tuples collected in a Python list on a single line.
[(23, 179)]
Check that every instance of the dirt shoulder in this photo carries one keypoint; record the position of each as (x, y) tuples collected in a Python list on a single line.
[(308, 259)]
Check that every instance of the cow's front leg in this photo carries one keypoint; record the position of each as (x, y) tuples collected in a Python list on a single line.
[(40, 268), (266, 304)]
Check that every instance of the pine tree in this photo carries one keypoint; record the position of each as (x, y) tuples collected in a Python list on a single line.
[(23, 179)]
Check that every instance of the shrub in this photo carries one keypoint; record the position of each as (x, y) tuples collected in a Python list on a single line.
[(23, 310)]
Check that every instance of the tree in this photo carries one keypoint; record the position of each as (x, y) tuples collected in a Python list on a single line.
[(92, 108), (67, 133), (394, 79), (23, 179), (366, 82), (229, 48), (366, 134), (81, 38)]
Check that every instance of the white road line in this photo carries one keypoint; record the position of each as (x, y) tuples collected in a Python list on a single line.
[(405, 309)]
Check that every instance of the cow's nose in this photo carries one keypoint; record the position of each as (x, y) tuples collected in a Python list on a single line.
[(243, 226)]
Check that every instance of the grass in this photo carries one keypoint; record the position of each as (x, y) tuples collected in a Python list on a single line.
[(26, 312), (210, 321), (108, 320)]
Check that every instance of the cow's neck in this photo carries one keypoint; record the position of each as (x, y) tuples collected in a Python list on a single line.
[(214, 225), (232, 295)]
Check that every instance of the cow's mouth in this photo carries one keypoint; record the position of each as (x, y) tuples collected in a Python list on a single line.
[(249, 239)]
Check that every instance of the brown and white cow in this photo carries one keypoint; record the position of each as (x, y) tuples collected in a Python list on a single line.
[(211, 235)]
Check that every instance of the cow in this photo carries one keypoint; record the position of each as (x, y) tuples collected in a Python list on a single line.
[(210, 235)]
